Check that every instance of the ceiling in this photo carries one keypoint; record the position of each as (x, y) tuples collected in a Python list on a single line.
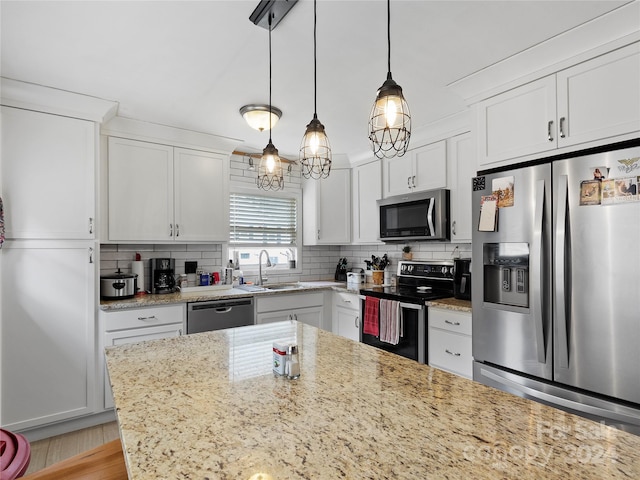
[(194, 64)]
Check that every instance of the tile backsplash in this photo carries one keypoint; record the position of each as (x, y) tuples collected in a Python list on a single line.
[(316, 263)]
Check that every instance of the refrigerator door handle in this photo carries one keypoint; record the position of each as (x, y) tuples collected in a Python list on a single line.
[(559, 281), (536, 271)]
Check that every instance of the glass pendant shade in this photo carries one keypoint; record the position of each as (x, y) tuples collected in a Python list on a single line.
[(390, 121), (315, 151), (270, 174)]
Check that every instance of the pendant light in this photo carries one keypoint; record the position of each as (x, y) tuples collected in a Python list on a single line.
[(390, 121), (270, 176), (315, 151)]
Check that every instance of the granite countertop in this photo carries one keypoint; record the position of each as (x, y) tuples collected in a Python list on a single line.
[(148, 300), (451, 304), (208, 406)]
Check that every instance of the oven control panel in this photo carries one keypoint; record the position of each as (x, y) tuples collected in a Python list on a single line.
[(436, 270)]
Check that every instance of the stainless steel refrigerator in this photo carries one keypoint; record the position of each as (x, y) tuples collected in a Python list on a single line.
[(556, 283)]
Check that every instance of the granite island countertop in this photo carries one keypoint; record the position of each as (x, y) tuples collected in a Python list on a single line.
[(208, 406)]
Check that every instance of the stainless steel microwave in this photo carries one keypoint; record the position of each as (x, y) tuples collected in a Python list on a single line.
[(415, 216)]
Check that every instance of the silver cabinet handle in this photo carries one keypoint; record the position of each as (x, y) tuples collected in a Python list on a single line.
[(146, 319), (562, 120), (318, 234), (171, 229), (413, 181), (453, 227), (177, 230), (357, 322), (90, 225), (452, 323), (90, 255), (295, 315), (409, 182), (549, 126), (180, 332), (451, 353)]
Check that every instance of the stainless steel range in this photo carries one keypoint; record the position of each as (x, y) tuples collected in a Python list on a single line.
[(417, 283)]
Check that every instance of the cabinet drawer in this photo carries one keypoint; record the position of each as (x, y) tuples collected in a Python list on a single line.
[(451, 320), (142, 317), (346, 300), (451, 352), (288, 302)]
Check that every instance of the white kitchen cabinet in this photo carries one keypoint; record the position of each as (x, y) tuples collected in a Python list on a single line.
[(326, 209), (48, 338), (366, 181), (122, 327), (449, 341), (158, 193), (420, 169), (462, 168), (593, 100), (48, 175), (304, 307), (346, 315)]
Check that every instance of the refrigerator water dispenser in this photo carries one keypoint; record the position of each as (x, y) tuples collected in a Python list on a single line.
[(506, 273)]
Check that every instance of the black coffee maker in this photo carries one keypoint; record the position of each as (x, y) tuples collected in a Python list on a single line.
[(462, 278), (163, 275)]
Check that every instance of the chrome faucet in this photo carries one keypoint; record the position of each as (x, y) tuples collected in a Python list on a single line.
[(260, 279)]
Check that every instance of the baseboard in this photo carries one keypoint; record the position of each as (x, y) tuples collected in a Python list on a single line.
[(51, 430)]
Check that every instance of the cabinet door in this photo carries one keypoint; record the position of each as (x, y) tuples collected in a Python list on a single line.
[(48, 175), (600, 98), (397, 173), (367, 188), (201, 199), (311, 316), (140, 191), (271, 317), (134, 336), (462, 168), (518, 122), (335, 208), (48, 352), (429, 167), (348, 323)]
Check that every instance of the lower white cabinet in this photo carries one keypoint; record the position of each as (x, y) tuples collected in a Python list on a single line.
[(47, 348), (346, 315), (136, 325), (450, 341), (306, 308)]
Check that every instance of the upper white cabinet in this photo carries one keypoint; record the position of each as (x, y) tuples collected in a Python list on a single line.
[(420, 169), (48, 175), (158, 193), (593, 100), (462, 168), (366, 181), (326, 209)]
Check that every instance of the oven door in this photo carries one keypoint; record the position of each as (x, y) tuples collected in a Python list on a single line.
[(413, 343)]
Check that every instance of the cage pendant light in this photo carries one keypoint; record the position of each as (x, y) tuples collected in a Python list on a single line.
[(390, 121), (315, 151), (270, 175)]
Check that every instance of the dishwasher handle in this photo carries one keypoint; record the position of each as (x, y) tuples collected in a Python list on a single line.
[(220, 306)]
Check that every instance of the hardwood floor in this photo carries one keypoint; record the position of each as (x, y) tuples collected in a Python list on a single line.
[(52, 450)]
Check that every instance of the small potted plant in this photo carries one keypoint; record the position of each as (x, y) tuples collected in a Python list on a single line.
[(377, 265), (406, 253)]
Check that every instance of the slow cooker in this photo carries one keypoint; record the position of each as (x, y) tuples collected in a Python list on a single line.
[(118, 285)]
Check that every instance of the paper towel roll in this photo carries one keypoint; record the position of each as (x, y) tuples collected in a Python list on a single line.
[(137, 266)]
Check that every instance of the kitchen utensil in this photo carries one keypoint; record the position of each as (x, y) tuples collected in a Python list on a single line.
[(118, 285)]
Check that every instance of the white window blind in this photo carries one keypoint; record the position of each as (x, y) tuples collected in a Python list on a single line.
[(260, 220)]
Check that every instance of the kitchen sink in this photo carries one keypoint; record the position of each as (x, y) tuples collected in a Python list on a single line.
[(283, 286)]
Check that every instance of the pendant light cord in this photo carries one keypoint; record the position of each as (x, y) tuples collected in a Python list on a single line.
[(270, 14), (389, 36), (315, 75)]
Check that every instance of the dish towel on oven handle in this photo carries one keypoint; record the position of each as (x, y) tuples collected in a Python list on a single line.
[(390, 321), (371, 316)]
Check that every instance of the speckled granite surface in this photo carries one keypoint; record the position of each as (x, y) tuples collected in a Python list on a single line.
[(149, 300), (208, 406), (451, 304)]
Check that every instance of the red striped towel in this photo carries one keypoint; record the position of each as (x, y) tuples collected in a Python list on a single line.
[(371, 316), (390, 321)]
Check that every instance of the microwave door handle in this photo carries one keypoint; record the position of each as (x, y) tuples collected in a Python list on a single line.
[(430, 217)]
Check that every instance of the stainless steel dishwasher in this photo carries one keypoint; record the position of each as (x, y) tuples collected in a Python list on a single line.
[(219, 314)]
